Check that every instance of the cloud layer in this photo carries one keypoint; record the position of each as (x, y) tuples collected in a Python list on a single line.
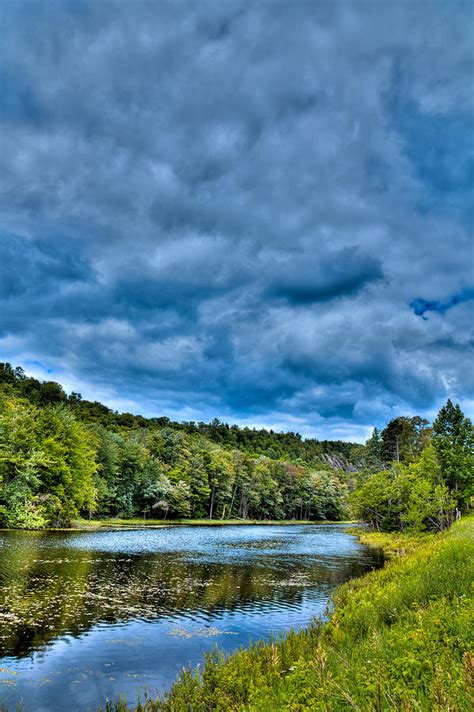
[(256, 211)]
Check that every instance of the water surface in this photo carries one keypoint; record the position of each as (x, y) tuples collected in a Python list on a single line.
[(90, 615)]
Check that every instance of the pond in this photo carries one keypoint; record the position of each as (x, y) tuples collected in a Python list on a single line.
[(86, 616)]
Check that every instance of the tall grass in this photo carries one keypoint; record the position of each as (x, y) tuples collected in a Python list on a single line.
[(400, 638)]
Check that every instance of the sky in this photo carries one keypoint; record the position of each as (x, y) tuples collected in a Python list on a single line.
[(251, 210)]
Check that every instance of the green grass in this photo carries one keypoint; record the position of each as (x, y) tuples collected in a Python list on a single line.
[(399, 638), (393, 543)]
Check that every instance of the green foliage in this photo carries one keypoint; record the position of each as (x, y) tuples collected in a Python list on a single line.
[(19, 462), (373, 450), (453, 439), (46, 466), (411, 497), (403, 439), (67, 471), (425, 490)]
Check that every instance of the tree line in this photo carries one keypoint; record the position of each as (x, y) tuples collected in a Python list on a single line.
[(62, 457)]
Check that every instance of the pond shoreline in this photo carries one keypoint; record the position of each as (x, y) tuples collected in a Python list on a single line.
[(124, 524), (91, 615)]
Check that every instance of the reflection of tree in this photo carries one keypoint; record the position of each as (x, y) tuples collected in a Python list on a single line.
[(50, 591)]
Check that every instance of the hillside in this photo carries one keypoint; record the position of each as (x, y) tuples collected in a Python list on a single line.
[(63, 457), (288, 446)]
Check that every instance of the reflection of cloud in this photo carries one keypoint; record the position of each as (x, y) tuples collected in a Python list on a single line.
[(130, 642), (225, 209)]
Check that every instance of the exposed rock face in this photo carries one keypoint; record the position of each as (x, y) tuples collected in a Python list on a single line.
[(338, 462)]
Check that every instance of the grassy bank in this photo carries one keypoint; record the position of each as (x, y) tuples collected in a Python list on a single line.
[(393, 543), (144, 523), (399, 639)]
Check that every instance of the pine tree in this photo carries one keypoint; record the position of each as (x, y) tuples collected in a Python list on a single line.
[(453, 439)]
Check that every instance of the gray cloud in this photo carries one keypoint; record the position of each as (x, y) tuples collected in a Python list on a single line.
[(312, 278), (30, 267), (228, 208)]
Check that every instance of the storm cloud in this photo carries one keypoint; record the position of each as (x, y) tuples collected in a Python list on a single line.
[(260, 211)]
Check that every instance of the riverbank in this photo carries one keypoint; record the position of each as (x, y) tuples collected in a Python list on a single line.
[(137, 523), (398, 639), (392, 543)]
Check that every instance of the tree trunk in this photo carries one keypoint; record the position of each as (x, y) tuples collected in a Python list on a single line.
[(232, 500), (211, 507)]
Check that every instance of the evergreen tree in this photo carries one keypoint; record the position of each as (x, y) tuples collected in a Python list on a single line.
[(373, 450), (453, 439)]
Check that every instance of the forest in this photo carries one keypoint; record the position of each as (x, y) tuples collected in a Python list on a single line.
[(63, 457)]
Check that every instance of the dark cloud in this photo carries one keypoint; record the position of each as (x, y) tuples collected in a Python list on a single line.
[(312, 278), (32, 268), (240, 209)]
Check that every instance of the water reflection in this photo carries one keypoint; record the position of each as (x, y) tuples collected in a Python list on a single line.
[(73, 606)]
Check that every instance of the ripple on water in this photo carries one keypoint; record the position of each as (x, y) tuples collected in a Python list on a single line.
[(85, 615)]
